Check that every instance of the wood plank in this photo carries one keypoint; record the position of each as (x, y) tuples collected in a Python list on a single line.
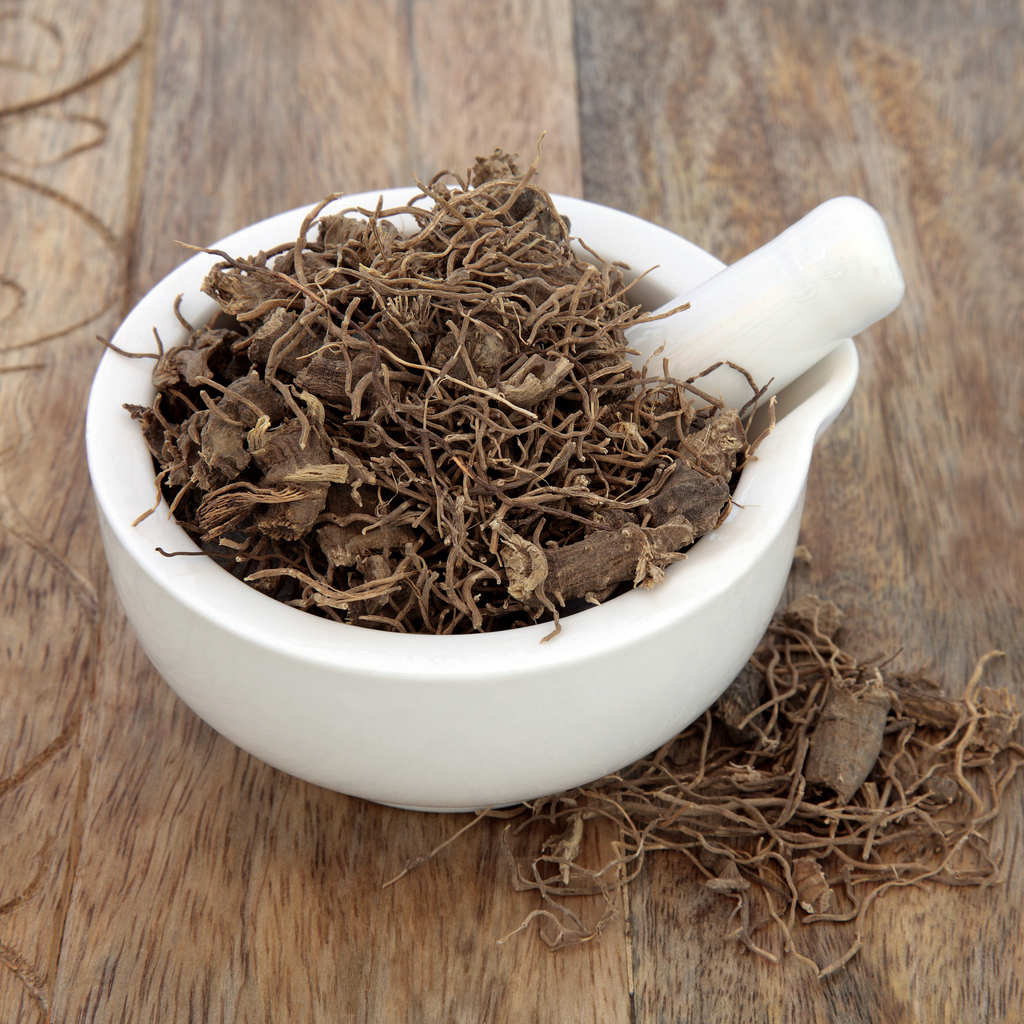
[(65, 139), (747, 116), (351, 96), (511, 66), (148, 869), (160, 873)]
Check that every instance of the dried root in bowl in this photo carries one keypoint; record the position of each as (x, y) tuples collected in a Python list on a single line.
[(438, 431)]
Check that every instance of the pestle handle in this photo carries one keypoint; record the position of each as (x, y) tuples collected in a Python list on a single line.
[(782, 308)]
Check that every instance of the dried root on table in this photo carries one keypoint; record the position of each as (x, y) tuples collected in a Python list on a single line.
[(439, 431), (813, 787)]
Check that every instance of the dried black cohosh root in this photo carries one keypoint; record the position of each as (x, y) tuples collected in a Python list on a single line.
[(789, 843), (847, 740), (438, 432)]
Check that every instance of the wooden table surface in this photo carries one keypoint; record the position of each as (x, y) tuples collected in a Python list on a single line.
[(149, 870)]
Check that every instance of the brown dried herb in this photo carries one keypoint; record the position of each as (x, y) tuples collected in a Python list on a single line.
[(439, 432), (847, 740), (735, 794)]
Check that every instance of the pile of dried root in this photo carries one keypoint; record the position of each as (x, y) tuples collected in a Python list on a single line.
[(437, 432), (812, 788)]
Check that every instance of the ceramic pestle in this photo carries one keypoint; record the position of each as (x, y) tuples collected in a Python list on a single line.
[(779, 310)]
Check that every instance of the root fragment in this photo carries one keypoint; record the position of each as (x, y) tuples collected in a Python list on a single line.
[(732, 797), (846, 742)]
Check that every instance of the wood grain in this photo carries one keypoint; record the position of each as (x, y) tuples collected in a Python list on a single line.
[(749, 117), (349, 97), (156, 872), (150, 871), (63, 148)]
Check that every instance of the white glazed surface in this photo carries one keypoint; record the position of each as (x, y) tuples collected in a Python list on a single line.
[(462, 722), (783, 307)]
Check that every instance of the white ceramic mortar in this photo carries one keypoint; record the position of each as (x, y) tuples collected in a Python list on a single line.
[(458, 722)]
